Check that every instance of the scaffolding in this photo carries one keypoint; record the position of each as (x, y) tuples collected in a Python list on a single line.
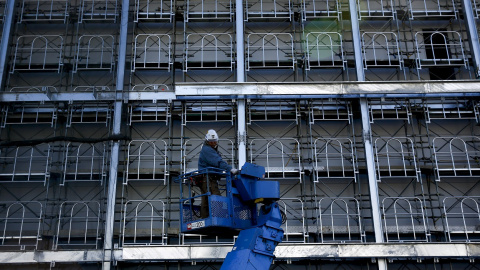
[(270, 50), (144, 223), (404, 219), (25, 163), (153, 51), (78, 225), (44, 10), (85, 162), (339, 220), (95, 52), (98, 10), (396, 158), (294, 227), (209, 10), (147, 160), (456, 157), (38, 53), (154, 10), (209, 51), (21, 224), (268, 9), (462, 218)]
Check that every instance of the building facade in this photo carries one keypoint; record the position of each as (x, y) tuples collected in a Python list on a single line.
[(367, 112)]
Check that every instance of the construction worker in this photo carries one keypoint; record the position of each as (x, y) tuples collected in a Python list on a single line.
[(210, 157)]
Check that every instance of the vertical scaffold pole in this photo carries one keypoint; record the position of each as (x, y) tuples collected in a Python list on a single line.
[(117, 121), (7, 26), (241, 112), (366, 132), (472, 35)]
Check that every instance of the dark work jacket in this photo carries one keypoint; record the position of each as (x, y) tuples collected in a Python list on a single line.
[(209, 157)]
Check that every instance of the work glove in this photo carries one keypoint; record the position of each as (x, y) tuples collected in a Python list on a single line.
[(234, 171)]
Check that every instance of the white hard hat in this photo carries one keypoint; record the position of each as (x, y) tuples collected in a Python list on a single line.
[(211, 136)]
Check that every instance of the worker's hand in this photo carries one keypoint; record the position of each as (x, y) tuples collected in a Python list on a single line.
[(234, 171)]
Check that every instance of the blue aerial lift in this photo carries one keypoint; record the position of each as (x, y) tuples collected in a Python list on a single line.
[(238, 210)]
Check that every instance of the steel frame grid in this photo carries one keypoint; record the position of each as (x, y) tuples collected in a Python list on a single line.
[(38, 158), (295, 227), (342, 226), (461, 222), (147, 161), (456, 157), (381, 50), (402, 222), (27, 223), (268, 10), (36, 52), (211, 10), (69, 235), (422, 9), (313, 9), (154, 11), (148, 218), (373, 9), (396, 158), (209, 51), (85, 162), (44, 11), (152, 52)]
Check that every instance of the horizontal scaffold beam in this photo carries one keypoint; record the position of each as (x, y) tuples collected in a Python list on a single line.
[(261, 91), (283, 252)]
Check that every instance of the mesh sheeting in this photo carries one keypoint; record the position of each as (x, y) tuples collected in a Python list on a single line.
[(191, 213), (219, 209)]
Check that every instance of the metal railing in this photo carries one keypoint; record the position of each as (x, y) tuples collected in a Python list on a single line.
[(152, 51), (95, 52), (395, 158), (462, 218), (314, 9), (85, 162), (147, 160), (369, 9), (78, 225), (268, 9), (424, 9), (404, 219), (209, 51), (38, 53), (209, 10), (456, 157), (25, 163), (154, 10), (208, 111), (294, 227), (381, 49), (44, 10), (439, 49), (144, 223), (269, 110), (339, 220), (270, 50), (156, 112), (335, 158), (324, 50), (280, 156), (98, 10), (20, 224)]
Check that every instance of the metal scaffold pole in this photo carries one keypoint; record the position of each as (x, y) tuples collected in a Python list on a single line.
[(366, 133), (241, 112), (472, 35), (7, 26), (113, 173)]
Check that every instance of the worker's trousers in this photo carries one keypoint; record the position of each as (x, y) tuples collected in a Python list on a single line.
[(213, 184)]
